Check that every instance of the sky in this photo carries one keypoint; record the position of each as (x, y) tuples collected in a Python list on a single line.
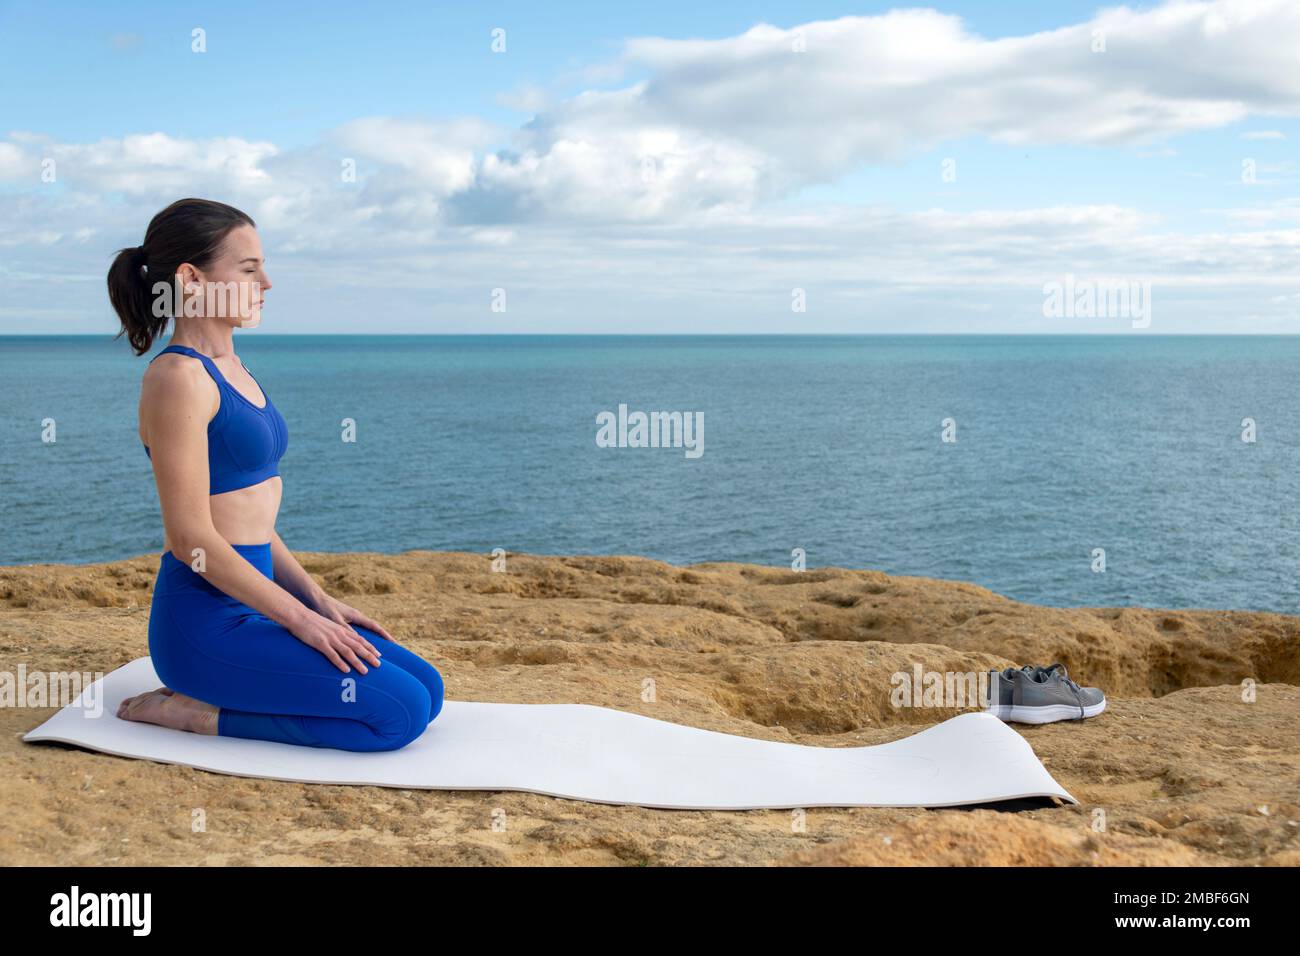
[(675, 168)]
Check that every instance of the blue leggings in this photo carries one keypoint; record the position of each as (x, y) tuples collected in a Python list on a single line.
[(271, 686)]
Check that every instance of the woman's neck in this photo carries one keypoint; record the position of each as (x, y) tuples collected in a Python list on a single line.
[(212, 342)]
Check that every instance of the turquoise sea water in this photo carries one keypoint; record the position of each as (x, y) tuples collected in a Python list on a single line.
[(831, 444)]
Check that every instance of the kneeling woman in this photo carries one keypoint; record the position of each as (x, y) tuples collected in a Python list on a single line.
[(245, 640)]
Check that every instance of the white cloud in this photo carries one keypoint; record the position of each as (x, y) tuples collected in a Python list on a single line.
[(873, 88), (438, 156), (13, 162), (139, 165), (729, 123), (1284, 211)]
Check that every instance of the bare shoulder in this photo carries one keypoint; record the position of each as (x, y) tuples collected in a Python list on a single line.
[(175, 382)]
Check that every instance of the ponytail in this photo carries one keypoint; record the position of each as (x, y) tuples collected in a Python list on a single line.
[(129, 291)]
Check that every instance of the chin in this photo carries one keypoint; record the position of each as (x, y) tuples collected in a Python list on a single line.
[(252, 322)]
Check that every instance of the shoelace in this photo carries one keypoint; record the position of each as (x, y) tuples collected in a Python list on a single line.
[(1065, 677)]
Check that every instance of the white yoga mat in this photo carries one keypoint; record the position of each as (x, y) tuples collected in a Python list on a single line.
[(597, 754)]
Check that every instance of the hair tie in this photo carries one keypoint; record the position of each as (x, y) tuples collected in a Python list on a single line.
[(140, 253)]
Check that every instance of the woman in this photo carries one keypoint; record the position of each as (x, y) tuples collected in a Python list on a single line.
[(246, 641)]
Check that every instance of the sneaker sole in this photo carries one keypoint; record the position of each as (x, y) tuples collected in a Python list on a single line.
[(1047, 714)]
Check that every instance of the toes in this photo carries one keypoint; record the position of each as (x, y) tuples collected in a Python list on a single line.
[(132, 705)]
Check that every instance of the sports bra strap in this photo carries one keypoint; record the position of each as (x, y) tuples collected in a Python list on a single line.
[(210, 365)]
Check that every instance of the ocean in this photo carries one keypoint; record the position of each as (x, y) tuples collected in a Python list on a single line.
[(1062, 452)]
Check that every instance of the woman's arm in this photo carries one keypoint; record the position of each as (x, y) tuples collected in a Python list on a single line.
[(295, 579)]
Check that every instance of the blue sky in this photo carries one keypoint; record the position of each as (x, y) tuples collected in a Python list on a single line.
[(675, 167)]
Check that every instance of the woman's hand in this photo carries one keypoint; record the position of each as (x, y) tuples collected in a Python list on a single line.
[(329, 631), (336, 610)]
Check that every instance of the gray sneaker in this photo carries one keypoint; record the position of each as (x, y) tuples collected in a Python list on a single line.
[(1002, 684), (1041, 695)]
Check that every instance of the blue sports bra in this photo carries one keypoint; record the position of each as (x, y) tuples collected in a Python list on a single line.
[(245, 442)]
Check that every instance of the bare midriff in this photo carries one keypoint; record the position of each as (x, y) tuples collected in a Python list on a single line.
[(245, 515)]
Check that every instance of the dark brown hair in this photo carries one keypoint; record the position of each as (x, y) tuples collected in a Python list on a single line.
[(189, 230)]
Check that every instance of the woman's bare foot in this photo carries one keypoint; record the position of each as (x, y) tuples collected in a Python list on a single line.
[(167, 708)]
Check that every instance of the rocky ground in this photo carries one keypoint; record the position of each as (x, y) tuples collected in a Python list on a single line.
[(1185, 767)]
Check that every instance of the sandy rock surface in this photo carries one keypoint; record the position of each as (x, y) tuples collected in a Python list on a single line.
[(1182, 768)]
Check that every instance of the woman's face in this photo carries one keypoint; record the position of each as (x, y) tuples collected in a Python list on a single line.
[(234, 285)]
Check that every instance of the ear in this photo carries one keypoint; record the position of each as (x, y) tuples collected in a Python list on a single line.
[(187, 274)]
